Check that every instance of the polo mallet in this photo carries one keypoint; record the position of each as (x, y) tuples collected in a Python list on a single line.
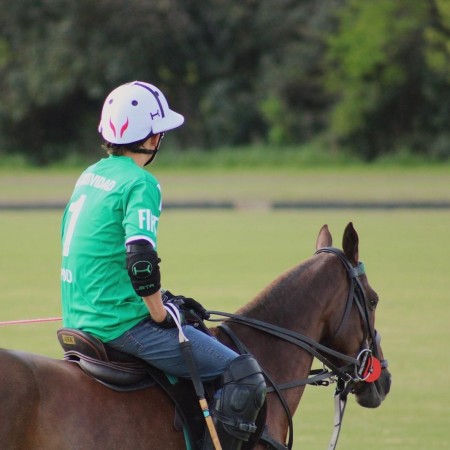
[(186, 348)]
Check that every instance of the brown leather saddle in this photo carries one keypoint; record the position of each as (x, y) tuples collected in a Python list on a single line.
[(124, 373)]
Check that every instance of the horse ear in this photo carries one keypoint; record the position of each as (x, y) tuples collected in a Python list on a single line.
[(324, 239), (350, 243)]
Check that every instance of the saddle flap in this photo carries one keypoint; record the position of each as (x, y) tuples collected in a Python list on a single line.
[(115, 376), (115, 369)]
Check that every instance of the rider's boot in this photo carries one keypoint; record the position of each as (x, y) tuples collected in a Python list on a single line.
[(237, 403)]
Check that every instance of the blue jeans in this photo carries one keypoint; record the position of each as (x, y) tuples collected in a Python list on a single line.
[(160, 347)]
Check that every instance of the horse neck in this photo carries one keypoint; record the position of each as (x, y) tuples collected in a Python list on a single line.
[(305, 300), (296, 301)]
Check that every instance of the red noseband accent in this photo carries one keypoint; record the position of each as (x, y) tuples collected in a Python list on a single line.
[(372, 371)]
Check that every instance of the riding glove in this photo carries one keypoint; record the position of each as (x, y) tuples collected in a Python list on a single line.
[(185, 303)]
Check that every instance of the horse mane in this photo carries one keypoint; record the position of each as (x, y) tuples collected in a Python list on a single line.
[(290, 289)]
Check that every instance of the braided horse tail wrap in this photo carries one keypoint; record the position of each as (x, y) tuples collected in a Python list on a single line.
[(237, 403)]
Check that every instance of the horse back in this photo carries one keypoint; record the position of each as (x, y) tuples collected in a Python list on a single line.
[(19, 396), (53, 405)]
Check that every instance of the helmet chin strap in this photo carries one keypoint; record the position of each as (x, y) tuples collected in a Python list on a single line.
[(150, 152), (152, 157), (147, 152)]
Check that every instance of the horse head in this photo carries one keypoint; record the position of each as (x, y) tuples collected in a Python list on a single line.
[(351, 325), (323, 308)]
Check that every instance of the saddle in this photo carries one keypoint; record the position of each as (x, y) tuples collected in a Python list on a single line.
[(122, 372)]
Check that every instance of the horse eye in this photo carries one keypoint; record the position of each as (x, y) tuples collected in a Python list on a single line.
[(374, 302)]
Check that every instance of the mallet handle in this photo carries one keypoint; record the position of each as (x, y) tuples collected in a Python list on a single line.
[(186, 348), (209, 422)]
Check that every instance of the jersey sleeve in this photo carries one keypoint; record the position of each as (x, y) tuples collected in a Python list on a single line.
[(142, 211)]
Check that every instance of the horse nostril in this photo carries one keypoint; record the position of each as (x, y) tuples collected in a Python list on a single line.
[(389, 383), (385, 383)]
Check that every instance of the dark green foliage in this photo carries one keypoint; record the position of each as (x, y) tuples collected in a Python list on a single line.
[(371, 77), (389, 64)]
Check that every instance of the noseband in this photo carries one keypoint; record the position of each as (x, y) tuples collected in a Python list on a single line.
[(346, 375)]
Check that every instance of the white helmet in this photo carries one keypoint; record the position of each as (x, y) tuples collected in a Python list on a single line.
[(134, 111)]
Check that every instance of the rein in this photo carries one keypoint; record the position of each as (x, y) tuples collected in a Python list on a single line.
[(26, 321), (346, 375)]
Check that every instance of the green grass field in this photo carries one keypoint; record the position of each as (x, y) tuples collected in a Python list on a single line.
[(223, 258), (251, 187)]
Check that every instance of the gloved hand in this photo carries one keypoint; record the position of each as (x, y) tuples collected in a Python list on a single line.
[(186, 303), (169, 321)]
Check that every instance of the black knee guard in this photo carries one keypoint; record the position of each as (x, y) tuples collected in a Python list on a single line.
[(237, 404)]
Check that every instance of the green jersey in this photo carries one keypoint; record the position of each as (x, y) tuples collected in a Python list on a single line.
[(114, 201)]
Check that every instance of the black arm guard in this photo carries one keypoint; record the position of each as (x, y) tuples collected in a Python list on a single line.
[(143, 268)]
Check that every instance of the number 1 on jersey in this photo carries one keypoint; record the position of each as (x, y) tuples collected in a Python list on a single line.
[(75, 209)]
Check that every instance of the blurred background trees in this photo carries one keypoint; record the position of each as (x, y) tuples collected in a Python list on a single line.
[(370, 78)]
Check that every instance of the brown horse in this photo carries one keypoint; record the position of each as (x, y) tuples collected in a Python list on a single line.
[(52, 404)]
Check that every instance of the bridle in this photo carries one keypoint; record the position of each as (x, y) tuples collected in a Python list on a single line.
[(356, 296), (346, 376)]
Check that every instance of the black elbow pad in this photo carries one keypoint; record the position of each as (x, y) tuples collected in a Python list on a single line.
[(143, 268)]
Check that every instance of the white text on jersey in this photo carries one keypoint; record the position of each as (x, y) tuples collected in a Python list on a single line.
[(97, 181), (147, 221)]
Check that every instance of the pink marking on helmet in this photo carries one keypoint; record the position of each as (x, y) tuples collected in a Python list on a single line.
[(113, 128), (124, 128)]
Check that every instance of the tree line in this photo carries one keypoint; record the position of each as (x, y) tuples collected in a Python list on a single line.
[(371, 78)]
